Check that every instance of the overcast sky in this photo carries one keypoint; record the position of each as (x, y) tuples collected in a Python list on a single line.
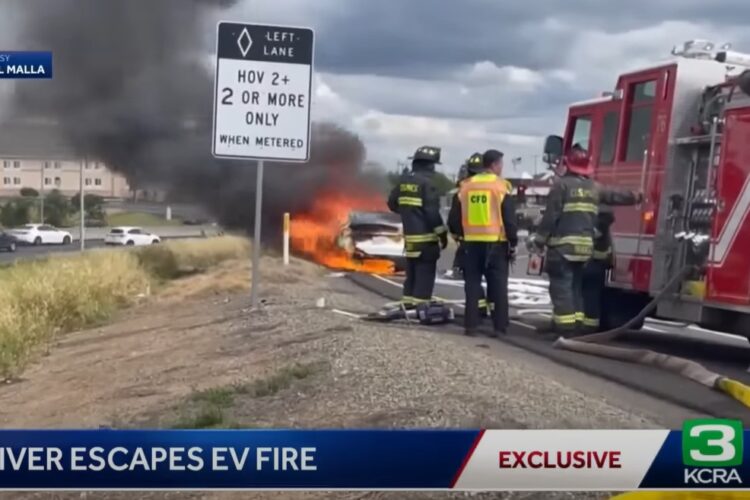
[(472, 74)]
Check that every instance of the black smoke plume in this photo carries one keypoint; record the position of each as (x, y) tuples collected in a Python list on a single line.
[(133, 88)]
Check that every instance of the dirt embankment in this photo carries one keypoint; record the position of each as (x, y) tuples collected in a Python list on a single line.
[(197, 358)]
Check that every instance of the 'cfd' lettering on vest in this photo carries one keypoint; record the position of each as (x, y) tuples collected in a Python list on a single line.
[(479, 208), (409, 188)]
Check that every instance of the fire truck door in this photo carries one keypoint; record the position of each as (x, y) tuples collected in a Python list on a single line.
[(639, 166)]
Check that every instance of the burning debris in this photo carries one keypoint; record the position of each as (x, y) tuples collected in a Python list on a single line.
[(132, 89)]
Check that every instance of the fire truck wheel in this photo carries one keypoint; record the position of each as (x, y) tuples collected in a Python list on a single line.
[(619, 307)]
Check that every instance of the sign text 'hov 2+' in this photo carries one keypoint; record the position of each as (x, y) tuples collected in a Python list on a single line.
[(263, 91)]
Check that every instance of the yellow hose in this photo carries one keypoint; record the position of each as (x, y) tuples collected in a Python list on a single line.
[(592, 344), (682, 495)]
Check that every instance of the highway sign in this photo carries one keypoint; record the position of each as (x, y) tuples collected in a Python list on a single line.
[(262, 93)]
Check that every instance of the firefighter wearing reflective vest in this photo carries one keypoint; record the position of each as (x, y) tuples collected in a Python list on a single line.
[(568, 230), (472, 166), (486, 219), (417, 200)]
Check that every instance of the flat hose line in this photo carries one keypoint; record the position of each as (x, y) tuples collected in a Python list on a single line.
[(591, 344), (686, 368)]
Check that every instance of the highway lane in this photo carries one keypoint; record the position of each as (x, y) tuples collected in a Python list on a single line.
[(529, 295), (41, 251), (26, 252)]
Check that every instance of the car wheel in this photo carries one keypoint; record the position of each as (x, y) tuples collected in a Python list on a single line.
[(130, 243), (66, 240), (12, 247), (38, 240), (155, 242)]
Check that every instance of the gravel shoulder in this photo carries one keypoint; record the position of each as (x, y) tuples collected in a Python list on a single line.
[(292, 364)]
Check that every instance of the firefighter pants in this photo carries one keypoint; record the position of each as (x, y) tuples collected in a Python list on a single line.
[(565, 290), (459, 260), (594, 276), (420, 275), (460, 257), (488, 260)]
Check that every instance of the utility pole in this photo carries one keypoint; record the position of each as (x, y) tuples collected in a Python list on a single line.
[(535, 157), (41, 193), (81, 207)]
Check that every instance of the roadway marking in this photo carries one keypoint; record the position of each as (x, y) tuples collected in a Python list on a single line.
[(546, 312), (459, 303)]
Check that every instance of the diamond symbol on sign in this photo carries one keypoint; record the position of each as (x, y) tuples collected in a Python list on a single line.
[(244, 42)]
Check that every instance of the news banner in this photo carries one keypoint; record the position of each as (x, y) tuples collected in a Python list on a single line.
[(704, 454)]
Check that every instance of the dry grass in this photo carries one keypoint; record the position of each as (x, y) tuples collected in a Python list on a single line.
[(177, 258), (232, 276), (40, 299)]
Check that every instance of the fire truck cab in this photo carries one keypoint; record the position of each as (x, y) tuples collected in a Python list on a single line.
[(679, 132)]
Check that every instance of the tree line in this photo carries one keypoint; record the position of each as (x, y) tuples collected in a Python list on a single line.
[(59, 210)]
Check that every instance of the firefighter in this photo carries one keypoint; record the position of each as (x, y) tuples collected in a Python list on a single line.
[(485, 217), (417, 200), (595, 271), (568, 230), (473, 166), (457, 269)]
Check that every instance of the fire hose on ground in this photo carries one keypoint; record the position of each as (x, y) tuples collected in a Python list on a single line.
[(592, 344)]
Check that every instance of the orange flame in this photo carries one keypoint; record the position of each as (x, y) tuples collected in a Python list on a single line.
[(313, 233)]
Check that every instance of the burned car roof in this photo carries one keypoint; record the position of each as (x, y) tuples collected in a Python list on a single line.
[(374, 219)]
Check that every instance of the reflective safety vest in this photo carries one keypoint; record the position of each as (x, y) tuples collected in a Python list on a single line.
[(481, 198)]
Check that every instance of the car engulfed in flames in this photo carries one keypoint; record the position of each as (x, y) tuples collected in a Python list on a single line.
[(373, 236), (349, 232)]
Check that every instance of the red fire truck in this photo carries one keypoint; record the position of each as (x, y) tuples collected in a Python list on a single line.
[(679, 132)]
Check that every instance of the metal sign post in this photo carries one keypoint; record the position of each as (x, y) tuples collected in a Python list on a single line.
[(82, 206), (256, 235), (262, 103)]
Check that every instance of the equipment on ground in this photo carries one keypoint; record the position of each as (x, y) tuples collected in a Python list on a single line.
[(675, 131), (428, 313)]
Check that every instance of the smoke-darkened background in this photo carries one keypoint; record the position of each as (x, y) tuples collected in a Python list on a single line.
[(133, 87)]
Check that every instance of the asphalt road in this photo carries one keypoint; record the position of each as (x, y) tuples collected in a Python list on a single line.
[(727, 355), (24, 252), (32, 252)]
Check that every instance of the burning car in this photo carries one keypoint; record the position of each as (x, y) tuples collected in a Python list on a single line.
[(373, 235)]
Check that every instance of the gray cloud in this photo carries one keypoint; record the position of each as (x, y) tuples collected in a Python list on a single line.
[(423, 37)]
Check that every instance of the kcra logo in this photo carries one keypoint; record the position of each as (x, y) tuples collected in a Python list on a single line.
[(711, 451)]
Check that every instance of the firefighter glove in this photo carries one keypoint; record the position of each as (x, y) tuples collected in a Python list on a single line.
[(443, 240)]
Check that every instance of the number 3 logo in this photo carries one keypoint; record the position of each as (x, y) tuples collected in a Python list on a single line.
[(712, 443), (722, 445)]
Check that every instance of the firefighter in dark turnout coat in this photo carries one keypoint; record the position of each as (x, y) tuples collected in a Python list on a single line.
[(568, 230), (595, 271), (417, 200)]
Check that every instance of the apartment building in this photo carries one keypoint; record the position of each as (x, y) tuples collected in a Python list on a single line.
[(33, 155)]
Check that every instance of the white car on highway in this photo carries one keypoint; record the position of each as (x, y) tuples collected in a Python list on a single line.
[(41, 234), (130, 236)]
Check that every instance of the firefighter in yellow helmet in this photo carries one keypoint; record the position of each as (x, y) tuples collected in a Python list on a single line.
[(417, 200), (485, 217)]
